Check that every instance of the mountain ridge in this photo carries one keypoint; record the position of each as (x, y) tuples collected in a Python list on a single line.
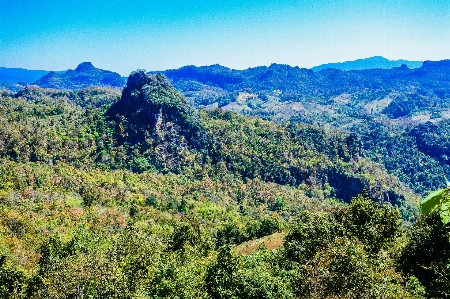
[(374, 62), (15, 75), (85, 75), (209, 84)]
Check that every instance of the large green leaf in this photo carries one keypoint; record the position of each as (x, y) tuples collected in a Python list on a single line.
[(445, 211), (432, 201)]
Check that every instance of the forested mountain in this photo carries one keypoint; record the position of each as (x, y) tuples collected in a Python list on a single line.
[(382, 106), (85, 75), (14, 79), (285, 84), (365, 102), (137, 194), (153, 127), (375, 62)]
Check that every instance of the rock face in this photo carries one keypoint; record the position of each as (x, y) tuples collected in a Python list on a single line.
[(85, 67), (152, 113), (85, 75)]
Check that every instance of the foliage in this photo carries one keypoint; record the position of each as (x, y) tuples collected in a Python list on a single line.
[(12, 282), (343, 254), (245, 277), (427, 255), (401, 114), (145, 197), (438, 198), (376, 228), (363, 220)]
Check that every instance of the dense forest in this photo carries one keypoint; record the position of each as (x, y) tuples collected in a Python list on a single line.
[(400, 114), (135, 193)]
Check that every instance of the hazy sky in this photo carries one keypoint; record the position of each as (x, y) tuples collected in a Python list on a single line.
[(156, 35)]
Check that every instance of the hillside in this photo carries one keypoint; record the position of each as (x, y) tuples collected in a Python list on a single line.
[(151, 127), (282, 84), (365, 102), (382, 106), (139, 194), (85, 75)]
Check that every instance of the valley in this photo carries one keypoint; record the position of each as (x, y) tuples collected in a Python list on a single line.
[(209, 182)]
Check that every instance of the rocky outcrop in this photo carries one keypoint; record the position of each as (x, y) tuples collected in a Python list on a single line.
[(151, 109)]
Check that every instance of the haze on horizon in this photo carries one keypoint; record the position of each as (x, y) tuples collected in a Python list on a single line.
[(123, 35)]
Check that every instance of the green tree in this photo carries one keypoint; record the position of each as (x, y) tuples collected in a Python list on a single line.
[(427, 255)]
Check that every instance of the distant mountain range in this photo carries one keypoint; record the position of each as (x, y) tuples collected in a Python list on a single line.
[(85, 75), (282, 91), (15, 75), (376, 62)]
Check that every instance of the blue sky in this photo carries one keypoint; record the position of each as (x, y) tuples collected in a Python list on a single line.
[(156, 35)]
